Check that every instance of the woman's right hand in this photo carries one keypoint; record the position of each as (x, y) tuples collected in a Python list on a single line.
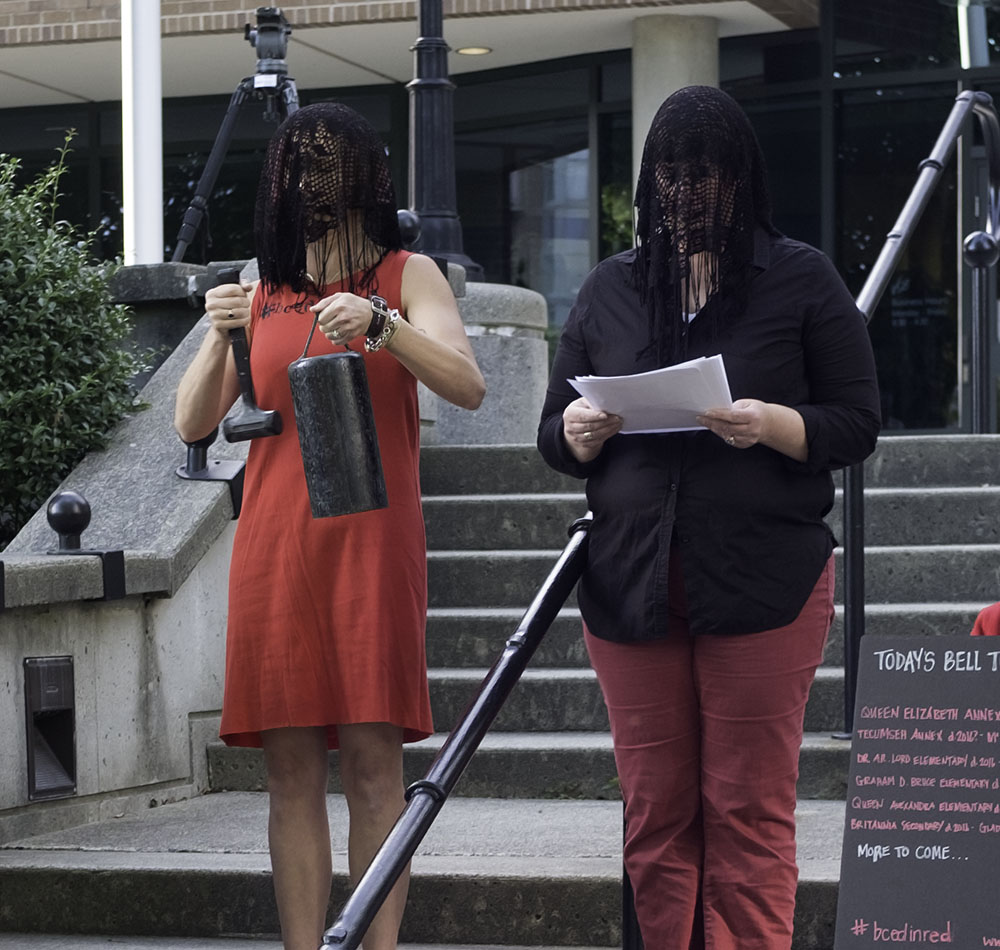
[(209, 385), (228, 307), (586, 429)]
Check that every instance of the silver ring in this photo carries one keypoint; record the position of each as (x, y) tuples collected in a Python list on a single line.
[(334, 335), (588, 435), (731, 440)]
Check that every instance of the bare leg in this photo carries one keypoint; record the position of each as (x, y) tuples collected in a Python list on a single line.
[(371, 771), (299, 832)]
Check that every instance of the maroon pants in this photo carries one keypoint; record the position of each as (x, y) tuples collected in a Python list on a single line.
[(707, 733)]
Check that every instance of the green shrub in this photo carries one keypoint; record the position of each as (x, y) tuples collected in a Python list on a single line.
[(65, 369)]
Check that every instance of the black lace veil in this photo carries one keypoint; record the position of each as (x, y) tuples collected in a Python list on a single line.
[(702, 189), (325, 181)]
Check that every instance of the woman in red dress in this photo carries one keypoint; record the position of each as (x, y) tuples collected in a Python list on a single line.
[(325, 638)]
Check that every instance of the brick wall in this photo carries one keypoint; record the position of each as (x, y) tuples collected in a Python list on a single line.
[(33, 22)]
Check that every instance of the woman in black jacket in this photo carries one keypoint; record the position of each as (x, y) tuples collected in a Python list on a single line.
[(708, 592)]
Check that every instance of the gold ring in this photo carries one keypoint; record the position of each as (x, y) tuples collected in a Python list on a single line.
[(588, 435)]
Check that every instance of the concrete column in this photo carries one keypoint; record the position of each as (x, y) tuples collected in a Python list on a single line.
[(668, 51), (142, 132)]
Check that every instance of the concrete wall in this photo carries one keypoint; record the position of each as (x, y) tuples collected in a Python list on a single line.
[(147, 669), (148, 689)]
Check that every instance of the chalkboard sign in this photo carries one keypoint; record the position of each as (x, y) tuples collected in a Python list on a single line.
[(921, 859)]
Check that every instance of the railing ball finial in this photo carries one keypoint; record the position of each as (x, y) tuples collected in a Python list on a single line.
[(68, 514), (981, 249), (409, 226)]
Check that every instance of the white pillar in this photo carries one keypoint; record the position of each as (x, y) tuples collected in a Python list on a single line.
[(668, 52), (973, 48), (142, 132)]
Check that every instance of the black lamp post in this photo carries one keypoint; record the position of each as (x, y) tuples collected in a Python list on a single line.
[(432, 146)]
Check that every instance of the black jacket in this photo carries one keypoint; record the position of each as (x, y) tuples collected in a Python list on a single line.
[(748, 523)]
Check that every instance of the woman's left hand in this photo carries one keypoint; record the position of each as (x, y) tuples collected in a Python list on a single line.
[(751, 421), (740, 427), (343, 317)]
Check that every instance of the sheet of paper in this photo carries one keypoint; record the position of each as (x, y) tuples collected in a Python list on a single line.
[(662, 400)]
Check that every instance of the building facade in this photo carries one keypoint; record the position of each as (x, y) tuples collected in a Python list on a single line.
[(847, 98)]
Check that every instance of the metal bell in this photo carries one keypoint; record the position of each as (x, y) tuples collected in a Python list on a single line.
[(340, 454)]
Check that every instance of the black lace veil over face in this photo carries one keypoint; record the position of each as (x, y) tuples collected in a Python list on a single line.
[(702, 190), (325, 182)]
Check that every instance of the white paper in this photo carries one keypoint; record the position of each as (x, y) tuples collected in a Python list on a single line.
[(662, 400)]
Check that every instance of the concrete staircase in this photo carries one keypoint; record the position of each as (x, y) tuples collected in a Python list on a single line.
[(527, 852)]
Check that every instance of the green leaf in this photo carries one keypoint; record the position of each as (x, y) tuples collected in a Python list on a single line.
[(65, 361)]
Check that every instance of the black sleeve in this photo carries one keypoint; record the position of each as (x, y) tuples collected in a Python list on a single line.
[(843, 416), (570, 360)]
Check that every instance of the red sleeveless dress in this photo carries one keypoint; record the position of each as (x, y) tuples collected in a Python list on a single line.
[(326, 615)]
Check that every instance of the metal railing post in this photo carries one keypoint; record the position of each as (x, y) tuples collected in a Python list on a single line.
[(980, 253), (854, 586)]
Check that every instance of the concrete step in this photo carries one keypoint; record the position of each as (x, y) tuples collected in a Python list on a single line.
[(920, 461), (896, 516), (462, 469), (555, 700), (104, 942), (917, 461), (943, 573), (925, 515), (547, 765), (916, 620), (527, 872), (464, 522), (475, 636)]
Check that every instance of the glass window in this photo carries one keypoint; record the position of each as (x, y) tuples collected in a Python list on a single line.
[(226, 228), (43, 129), (872, 36), (768, 58), (549, 211), (110, 213), (788, 129), (878, 36), (523, 201), (614, 170), (535, 210), (476, 101), (883, 134), (616, 80)]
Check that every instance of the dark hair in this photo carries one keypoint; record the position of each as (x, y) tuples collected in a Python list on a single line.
[(702, 188), (324, 165)]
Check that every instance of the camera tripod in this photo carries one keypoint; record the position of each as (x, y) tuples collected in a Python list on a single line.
[(271, 83)]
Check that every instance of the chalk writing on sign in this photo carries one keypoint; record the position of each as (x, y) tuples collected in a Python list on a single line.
[(922, 822)]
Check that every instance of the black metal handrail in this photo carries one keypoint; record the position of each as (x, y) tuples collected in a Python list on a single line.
[(426, 797), (981, 252)]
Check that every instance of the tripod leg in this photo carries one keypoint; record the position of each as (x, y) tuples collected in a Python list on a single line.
[(289, 96), (196, 210)]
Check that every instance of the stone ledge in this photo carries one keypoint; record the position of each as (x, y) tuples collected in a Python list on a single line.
[(35, 579), (154, 282), (163, 523), (503, 309)]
